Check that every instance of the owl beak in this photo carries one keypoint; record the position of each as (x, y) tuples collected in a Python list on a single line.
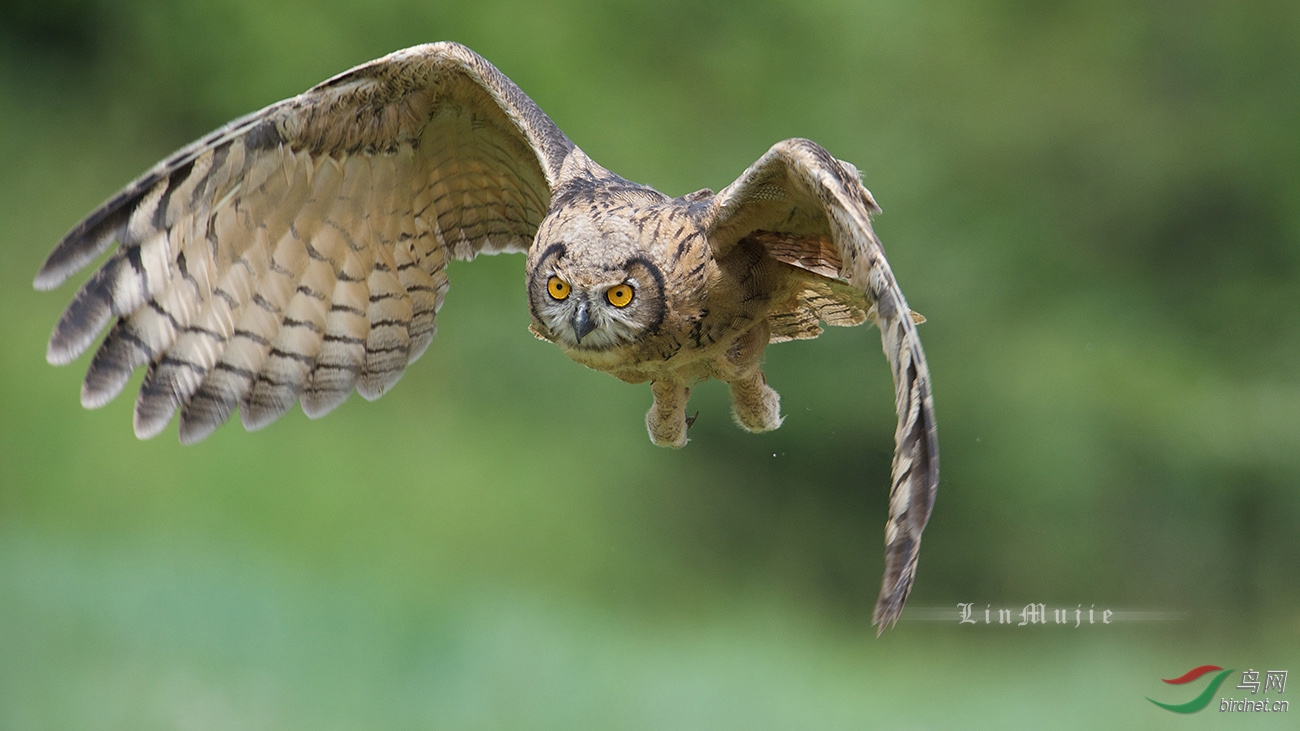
[(582, 322)]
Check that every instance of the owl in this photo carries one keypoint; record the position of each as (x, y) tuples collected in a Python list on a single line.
[(300, 253)]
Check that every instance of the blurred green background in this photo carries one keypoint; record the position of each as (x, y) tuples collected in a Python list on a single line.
[(1096, 204)]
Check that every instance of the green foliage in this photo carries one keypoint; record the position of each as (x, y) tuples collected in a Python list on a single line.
[(1096, 205)]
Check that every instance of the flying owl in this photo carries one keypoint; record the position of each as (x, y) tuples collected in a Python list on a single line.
[(301, 252)]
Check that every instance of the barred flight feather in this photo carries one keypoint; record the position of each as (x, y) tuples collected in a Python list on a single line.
[(299, 252)]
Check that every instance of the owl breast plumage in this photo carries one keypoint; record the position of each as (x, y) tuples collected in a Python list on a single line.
[(300, 253)]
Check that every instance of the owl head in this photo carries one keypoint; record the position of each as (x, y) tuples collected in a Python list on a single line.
[(592, 284)]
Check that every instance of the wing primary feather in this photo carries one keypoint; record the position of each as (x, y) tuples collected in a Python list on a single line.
[(90, 310), (109, 222), (121, 353), (915, 469)]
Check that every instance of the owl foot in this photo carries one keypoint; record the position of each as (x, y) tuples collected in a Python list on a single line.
[(666, 419), (755, 405)]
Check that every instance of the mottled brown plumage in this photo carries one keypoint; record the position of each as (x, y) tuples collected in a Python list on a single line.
[(300, 253)]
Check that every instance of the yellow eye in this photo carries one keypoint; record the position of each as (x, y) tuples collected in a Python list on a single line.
[(620, 296), (558, 288)]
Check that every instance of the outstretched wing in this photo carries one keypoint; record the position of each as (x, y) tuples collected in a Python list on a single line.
[(811, 211), (300, 252)]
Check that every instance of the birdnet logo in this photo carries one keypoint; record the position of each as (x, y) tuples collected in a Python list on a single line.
[(1200, 701), (1274, 682)]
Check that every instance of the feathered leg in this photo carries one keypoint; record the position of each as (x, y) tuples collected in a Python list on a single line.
[(666, 419)]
